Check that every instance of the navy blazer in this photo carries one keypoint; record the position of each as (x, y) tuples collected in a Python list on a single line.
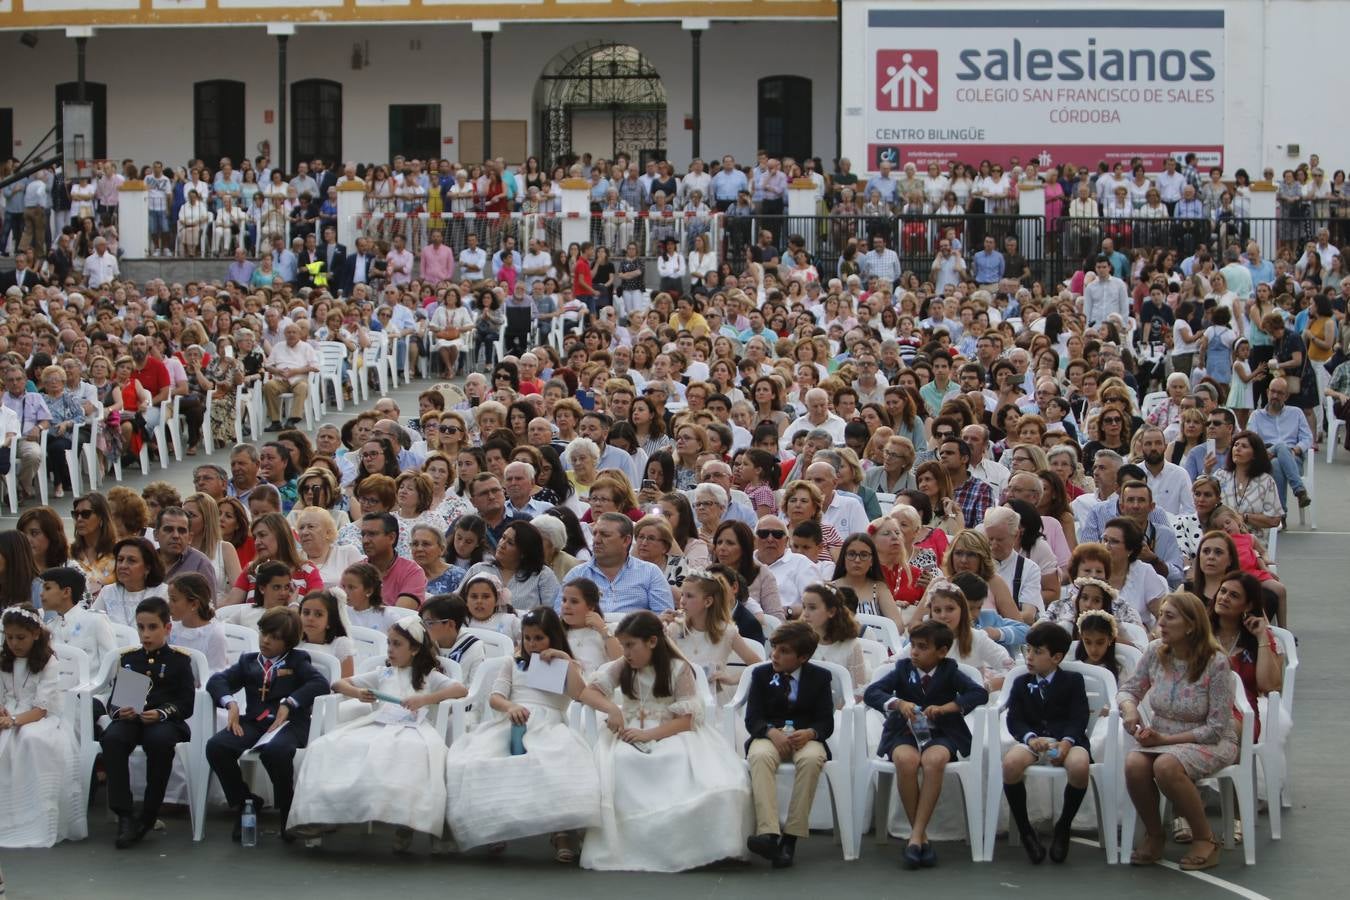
[(949, 684), (1062, 713), (296, 683), (768, 707)]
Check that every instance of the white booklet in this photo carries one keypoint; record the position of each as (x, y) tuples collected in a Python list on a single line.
[(547, 675), (130, 690), (269, 735)]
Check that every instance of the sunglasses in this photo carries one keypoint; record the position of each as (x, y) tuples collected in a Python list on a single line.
[(770, 534), (85, 513)]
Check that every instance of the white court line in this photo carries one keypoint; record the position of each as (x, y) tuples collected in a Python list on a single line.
[(1203, 876)]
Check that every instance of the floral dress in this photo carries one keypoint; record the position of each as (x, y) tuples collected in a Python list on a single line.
[(222, 372), (1259, 495), (1203, 706)]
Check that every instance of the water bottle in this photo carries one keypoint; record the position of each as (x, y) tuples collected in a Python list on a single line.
[(248, 826), (923, 735), (789, 727)]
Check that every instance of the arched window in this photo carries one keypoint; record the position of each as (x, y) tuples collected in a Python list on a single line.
[(316, 121), (218, 121), (785, 116), (94, 93)]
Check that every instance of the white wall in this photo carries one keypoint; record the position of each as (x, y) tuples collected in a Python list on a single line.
[(150, 75), (1284, 62)]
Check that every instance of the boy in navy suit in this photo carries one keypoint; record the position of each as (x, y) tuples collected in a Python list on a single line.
[(280, 684), (928, 683), (789, 714), (1047, 714)]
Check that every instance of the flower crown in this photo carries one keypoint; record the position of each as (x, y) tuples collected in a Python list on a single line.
[(20, 613), (1104, 616), (1085, 581)]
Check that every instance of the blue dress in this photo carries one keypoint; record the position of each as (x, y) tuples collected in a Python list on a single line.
[(446, 582)]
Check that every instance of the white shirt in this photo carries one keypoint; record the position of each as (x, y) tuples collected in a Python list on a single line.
[(793, 572), (302, 355), (846, 514), (993, 473), (832, 424), (99, 270), (472, 258), (1029, 592), (1171, 489), (86, 630)]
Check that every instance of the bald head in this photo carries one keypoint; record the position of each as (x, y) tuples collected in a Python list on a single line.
[(1025, 486), (771, 539)]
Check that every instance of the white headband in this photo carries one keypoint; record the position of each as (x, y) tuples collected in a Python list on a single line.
[(23, 614), (414, 628)]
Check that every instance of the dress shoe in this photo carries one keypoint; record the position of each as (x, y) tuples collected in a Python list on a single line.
[(787, 848), (1032, 844), (765, 845), (913, 857), (275, 426), (1059, 845), (928, 855), (292, 423), (129, 832)]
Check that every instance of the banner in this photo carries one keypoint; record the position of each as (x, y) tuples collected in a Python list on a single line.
[(1060, 86)]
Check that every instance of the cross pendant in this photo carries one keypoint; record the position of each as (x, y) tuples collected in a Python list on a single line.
[(642, 718)]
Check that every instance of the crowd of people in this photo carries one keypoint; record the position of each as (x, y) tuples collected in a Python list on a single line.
[(1000, 470)]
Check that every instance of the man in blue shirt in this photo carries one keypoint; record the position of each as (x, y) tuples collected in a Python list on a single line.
[(1287, 435), (1263, 271), (883, 183), (626, 583), (987, 265), (727, 184)]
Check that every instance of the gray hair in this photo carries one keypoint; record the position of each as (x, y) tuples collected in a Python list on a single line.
[(248, 450), (711, 491), (829, 456), (552, 530), (1002, 515), (1109, 456), (581, 445), (529, 469)]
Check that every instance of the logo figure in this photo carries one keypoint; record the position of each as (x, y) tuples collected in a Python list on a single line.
[(907, 80)]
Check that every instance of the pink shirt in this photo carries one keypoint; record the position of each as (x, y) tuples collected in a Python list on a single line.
[(438, 264), (403, 577)]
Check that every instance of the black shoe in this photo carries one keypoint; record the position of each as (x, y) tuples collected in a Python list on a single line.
[(1059, 845), (787, 847), (292, 422), (275, 426), (1304, 501), (928, 856), (1032, 844), (913, 857), (765, 845), (129, 832)]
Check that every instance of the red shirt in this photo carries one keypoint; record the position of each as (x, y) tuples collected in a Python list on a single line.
[(581, 278), (154, 377), (306, 579)]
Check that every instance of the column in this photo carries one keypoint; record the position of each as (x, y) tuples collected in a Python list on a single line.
[(1031, 239), (487, 29), (283, 33), (81, 34), (351, 204), (1263, 207), (801, 210), (696, 27), (576, 211), (133, 220)]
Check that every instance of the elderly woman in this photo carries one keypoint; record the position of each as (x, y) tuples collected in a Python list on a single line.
[(205, 535), (1191, 733), (428, 551), (192, 219), (412, 498), (553, 532), (802, 502), (654, 542), (66, 412), (318, 536), (518, 561), (710, 508), (317, 489), (583, 456)]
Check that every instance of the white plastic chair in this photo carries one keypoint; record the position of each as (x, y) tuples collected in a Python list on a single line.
[(376, 358), (76, 713), (309, 412), (1276, 733), (239, 639), (1136, 633), (174, 422), (201, 725), (369, 643), (332, 357), (1334, 424), (1238, 779), (401, 612), (840, 769), (1307, 515), (882, 630), (494, 643), (11, 481), (969, 772), (1101, 691)]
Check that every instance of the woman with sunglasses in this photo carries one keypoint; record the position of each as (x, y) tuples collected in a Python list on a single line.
[(453, 434), (318, 488), (92, 550), (1111, 428)]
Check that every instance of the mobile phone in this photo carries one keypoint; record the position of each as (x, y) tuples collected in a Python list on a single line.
[(648, 484)]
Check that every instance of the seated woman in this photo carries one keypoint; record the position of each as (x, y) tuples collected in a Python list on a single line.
[(139, 574), (734, 546), (318, 536), (387, 766), (1191, 734), (665, 772), (528, 752), (1243, 634), (859, 569)]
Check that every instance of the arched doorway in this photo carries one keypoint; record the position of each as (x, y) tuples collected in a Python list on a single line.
[(602, 98)]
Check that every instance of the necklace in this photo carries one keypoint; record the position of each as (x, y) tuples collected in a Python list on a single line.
[(1229, 646)]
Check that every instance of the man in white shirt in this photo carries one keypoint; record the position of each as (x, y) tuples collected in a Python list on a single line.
[(1105, 296), (983, 466), (289, 364), (1003, 527), (791, 571), (818, 415), (536, 264), (1171, 483), (472, 259), (844, 512), (101, 266), (1170, 184)]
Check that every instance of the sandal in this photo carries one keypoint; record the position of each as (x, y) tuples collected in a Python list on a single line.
[(1151, 853), (1181, 831), (1194, 862)]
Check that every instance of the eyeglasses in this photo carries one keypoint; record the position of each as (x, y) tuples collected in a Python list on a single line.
[(450, 429), (1113, 421), (858, 555), (770, 534), (85, 513), (704, 504), (371, 454)]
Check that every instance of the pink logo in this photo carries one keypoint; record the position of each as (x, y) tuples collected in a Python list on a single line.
[(907, 80)]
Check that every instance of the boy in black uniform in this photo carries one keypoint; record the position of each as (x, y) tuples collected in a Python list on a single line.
[(159, 729), (1047, 714), (280, 684)]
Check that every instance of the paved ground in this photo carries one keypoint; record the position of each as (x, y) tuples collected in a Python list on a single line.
[(356, 864)]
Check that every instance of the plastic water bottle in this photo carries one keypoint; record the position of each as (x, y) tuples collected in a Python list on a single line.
[(248, 826), (789, 727), (923, 735)]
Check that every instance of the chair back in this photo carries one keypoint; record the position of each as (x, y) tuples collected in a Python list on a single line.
[(495, 644), (369, 643), (1289, 648), (874, 656), (72, 665), (124, 635), (239, 639), (332, 354), (326, 663), (882, 629)]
